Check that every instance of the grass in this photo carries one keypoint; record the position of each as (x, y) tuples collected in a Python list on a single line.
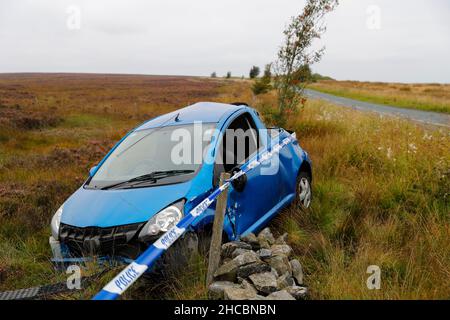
[(381, 198), (53, 128), (381, 185), (427, 97)]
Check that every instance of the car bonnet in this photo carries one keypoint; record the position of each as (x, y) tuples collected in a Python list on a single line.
[(106, 208)]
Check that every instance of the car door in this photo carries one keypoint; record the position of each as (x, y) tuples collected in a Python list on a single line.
[(247, 208)]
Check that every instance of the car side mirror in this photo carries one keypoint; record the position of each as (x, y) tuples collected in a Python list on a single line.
[(92, 171), (239, 183)]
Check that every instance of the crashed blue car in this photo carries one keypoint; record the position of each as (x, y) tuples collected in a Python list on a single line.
[(164, 168)]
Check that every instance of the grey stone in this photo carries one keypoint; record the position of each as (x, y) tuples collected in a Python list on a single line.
[(274, 272), (285, 280), (227, 271), (280, 263), (231, 293), (248, 286), (297, 270), (264, 253), (264, 282), (229, 247), (297, 292), (246, 258), (252, 240), (281, 239), (266, 236), (280, 295), (281, 249), (238, 252), (263, 243), (216, 289), (256, 267)]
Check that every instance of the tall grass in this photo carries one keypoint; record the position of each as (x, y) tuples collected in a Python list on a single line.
[(53, 128), (381, 185), (381, 197)]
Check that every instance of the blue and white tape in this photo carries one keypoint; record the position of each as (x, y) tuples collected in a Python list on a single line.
[(137, 268)]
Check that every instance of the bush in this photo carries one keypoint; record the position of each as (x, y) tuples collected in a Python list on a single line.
[(36, 121), (317, 77), (263, 85), (254, 72), (303, 74), (268, 71)]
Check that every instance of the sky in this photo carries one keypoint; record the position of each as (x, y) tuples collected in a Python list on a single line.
[(367, 40)]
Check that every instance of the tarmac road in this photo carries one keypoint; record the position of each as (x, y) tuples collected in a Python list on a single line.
[(433, 118)]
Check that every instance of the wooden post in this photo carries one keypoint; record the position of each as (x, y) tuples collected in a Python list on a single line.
[(216, 239)]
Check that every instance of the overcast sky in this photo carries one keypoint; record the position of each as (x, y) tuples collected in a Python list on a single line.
[(377, 40)]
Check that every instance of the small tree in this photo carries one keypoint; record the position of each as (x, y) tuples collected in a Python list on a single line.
[(296, 53), (254, 72), (303, 74), (263, 85), (214, 75), (317, 77), (268, 71), (228, 76)]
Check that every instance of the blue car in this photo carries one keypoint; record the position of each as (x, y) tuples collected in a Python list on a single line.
[(165, 167)]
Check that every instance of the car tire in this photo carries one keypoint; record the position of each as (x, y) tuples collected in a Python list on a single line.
[(204, 241), (176, 258), (303, 194)]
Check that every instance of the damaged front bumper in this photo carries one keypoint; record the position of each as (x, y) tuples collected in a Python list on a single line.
[(62, 257), (177, 255)]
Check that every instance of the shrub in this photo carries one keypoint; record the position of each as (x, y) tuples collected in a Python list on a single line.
[(303, 74), (254, 72), (317, 76), (263, 85)]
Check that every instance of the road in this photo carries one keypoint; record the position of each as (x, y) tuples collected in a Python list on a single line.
[(433, 118)]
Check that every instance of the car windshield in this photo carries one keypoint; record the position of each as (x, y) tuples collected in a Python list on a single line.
[(151, 155)]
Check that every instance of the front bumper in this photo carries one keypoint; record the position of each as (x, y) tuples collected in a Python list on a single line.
[(177, 255), (62, 257)]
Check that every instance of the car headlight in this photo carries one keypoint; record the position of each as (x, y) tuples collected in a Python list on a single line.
[(162, 221), (56, 220)]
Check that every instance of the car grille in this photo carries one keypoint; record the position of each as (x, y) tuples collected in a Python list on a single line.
[(100, 241)]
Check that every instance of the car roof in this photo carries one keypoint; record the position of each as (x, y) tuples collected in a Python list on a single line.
[(201, 111)]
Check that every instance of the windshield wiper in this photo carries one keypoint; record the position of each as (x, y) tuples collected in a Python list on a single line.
[(149, 177)]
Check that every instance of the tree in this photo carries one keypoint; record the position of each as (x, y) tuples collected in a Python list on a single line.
[(317, 77), (228, 76), (303, 74), (214, 75), (268, 71), (254, 72), (263, 85), (296, 53)]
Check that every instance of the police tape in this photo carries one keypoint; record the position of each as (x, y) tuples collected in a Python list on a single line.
[(137, 268), (49, 290)]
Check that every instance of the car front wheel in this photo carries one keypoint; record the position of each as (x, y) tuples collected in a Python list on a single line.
[(304, 191)]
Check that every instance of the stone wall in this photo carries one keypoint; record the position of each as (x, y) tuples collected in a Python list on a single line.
[(258, 268)]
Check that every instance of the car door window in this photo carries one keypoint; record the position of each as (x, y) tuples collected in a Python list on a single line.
[(240, 141)]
